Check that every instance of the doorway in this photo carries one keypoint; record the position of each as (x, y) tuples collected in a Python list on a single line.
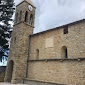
[(10, 71)]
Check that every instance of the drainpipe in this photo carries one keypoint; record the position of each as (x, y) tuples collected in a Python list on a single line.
[(29, 37)]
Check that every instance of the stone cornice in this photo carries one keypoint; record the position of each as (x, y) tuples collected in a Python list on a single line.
[(61, 60), (24, 23)]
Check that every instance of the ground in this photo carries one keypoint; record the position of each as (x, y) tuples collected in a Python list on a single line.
[(4, 83)]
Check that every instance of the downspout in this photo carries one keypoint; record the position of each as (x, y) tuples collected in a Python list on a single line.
[(29, 37)]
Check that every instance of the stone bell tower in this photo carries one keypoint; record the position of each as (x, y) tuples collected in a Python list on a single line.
[(23, 27)]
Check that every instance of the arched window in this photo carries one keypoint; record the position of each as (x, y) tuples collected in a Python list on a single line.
[(26, 16), (64, 53), (37, 54), (16, 17), (31, 19), (20, 16)]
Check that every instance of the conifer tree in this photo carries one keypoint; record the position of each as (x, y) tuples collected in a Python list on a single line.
[(6, 12)]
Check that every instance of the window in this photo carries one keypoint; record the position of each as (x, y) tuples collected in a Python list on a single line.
[(37, 54), (20, 16), (14, 39), (66, 30), (26, 16), (64, 53), (31, 19), (16, 17)]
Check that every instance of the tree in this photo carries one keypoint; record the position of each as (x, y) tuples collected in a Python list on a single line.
[(6, 12)]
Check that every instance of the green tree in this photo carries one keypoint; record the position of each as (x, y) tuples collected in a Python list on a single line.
[(6, 12)]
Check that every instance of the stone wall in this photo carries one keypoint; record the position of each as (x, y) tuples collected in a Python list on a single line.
[(68, 72), (18, 53), (50, 43)]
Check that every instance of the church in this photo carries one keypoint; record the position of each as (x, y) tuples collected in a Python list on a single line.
[(51, 57)]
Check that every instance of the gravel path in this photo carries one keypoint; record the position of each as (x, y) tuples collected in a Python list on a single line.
[(4, 83)]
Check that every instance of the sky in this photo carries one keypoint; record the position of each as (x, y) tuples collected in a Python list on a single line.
[(3, 63), (53, 13)]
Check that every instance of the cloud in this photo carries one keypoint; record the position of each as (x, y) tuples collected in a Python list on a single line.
[(53, 13), (17, 1)]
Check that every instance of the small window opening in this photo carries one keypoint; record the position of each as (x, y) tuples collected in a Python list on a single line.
[(31, 19), (20, 16), (66, 30), (26, 16), (14, 39), (37, 53), (66, 54), (16, 17)]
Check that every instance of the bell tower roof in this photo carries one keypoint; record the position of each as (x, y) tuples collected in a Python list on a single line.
[(30, 2)]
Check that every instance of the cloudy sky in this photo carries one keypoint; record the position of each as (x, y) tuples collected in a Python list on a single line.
[(54, 13)]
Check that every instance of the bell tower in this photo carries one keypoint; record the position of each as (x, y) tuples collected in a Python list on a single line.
[(25, 12), (23, 27)]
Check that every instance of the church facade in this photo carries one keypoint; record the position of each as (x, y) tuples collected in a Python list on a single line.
[(55, 56)]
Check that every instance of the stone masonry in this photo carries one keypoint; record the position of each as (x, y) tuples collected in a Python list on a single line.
[(50, 65)]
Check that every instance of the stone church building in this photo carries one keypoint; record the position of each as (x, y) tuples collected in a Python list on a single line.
[(55, 56)]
